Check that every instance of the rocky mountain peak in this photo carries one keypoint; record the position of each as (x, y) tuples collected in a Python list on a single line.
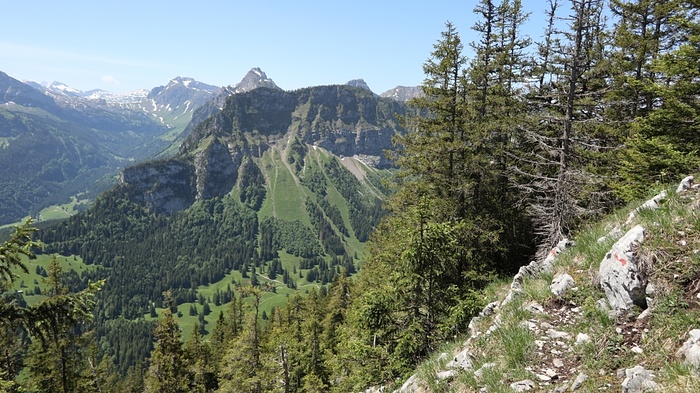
[(252, 80), (359, 83), (180, 95)]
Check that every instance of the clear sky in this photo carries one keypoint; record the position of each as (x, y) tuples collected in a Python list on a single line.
[(126, 45)]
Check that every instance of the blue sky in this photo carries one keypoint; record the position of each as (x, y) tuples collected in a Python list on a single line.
[(126, 45)]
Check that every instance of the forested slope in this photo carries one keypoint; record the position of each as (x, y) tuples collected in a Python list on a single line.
[(521, 146)]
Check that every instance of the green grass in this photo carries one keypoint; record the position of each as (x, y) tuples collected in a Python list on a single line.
[(270, 300), (27, 281), (286, 198), (55, 212), (671, 240)]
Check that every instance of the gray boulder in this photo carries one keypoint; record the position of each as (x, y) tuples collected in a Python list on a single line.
[(621, 276), (461, 361), (523, 386), (690, 351), (685, 185), (638, 380), (412, 384), (561, 283), (652, 204)]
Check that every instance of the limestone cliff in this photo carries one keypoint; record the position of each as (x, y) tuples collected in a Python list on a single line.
[(163, 186)]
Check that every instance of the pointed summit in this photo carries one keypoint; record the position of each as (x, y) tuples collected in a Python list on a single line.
[(252, 80)]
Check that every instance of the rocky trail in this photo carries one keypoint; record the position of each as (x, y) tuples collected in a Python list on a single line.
[(590, 327)]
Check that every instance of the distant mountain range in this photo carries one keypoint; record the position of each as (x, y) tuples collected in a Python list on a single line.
[(265, 174), (57, 141)]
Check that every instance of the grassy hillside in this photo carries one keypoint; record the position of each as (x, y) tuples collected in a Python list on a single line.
[(551, 341)]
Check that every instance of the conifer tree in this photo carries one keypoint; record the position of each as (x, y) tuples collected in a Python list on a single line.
[(654, 103), (565, 138), (203, 365), (56, 361), (168, 370), (246, 366)]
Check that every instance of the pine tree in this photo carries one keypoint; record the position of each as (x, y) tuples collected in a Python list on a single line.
[(168, 370)]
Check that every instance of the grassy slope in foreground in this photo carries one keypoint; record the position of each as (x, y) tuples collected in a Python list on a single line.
[(520, 347)]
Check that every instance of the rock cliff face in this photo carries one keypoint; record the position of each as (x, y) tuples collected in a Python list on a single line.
[(216, 169), (163, 187), (345, 120), (349, 121)]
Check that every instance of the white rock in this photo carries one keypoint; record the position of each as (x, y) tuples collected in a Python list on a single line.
[(557, 363), (646, 313), (529, 325), (690, 350), (637, 350), (582, 338), (523, 386), (534, 307), (548, 262), (685, 185), (615, 233), (651, 204), (411, 384), (543, 377), (638, 380), (449, 374), (580, 379), (555, 334), (621, 277), (560, 284), (546, 325), (461, 361), (480, 372)]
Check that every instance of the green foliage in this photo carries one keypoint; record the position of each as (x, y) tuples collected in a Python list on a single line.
[(168, 371), (157, 252), (252, 185), (296, 238), (655, 99)]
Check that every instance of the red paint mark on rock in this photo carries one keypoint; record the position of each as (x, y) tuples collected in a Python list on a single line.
[(623, 261), (553, 252)]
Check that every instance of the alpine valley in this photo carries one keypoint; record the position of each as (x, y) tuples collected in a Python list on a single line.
[(203, 189)]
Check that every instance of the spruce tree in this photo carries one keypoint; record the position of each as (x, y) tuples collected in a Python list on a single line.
[(565, 140), (654, 103), (56, 361), (246, 367), (168, 370)]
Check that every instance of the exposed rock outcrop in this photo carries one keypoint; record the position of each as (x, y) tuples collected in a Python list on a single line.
[(216, 168), (638, 380), (163, 186), (622, 277)]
